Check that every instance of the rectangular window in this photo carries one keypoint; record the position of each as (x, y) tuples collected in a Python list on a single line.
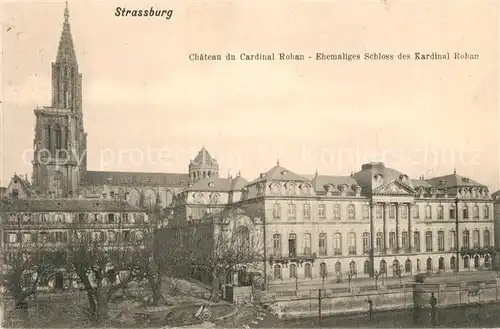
[(322, 211), (453, 239), (307, 244), (276, 211), (337, 244), (307, 211), (322, 244), (366, 242), (428, 241), (440, 241), (366, 211), (416, 241), (404, 239), (392, 240), (292, 211), (336, 211)]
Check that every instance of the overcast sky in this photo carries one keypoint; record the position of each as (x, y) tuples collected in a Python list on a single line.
[(142, 93)]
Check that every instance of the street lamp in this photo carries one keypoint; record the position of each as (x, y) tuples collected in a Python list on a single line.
[(457, 263)]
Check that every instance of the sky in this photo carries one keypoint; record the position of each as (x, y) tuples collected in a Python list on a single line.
[(147, 107)]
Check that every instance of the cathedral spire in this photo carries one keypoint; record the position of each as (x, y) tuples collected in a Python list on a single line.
[(66, 50)]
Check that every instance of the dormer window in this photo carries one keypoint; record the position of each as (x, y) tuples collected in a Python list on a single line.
[(465, 179), (211, 184), (284, 172)]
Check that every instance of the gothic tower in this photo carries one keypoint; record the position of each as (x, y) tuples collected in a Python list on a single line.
[(60, 144), (203, 165)]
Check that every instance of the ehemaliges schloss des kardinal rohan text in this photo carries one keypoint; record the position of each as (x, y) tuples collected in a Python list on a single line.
[(340, 56)]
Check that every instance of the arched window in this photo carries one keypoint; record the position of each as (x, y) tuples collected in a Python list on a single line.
[(383, 267), (452, 212), (338, 268), (366, 267), (58, 137), (476, 261), (453, 261), (441, 264), (466, 262), (48, 138), (465, 212), (487, 261), (242, 235), (322, 269), (277, 272), (486, 238), (352, 268), (465, 239), (307, 271), (475, 238), (475, 212), (293, 271), (408, 266), (395, 267), (429, 264), (486, 212), (418, 265)]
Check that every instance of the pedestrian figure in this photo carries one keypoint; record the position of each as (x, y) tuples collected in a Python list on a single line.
[(370, 308), (433, 302)]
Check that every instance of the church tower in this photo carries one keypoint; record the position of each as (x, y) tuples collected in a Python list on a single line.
[(203, 166), (60, 144)]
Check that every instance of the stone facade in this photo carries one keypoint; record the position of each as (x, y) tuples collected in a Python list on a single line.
[(372, 221)]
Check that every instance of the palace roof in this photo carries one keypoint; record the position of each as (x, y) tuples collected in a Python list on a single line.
[(135, 178)]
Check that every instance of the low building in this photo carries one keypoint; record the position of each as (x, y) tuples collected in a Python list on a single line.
[(30, 224)]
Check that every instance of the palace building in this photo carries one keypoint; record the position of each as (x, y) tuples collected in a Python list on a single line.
[(375, 220)]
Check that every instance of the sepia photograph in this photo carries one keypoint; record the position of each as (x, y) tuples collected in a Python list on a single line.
[(249, 164)]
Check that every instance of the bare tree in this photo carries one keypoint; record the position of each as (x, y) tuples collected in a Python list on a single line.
[(104, 266), (376, 275), (221, 246)]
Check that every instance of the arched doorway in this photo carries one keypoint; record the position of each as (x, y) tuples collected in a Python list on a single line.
[(453, 262), (487, 262), (277, 272), (441, 263), (429, 264), (322, 269), (383, 267), (408, 266)]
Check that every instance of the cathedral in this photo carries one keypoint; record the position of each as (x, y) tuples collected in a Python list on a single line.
[(60, 150)]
